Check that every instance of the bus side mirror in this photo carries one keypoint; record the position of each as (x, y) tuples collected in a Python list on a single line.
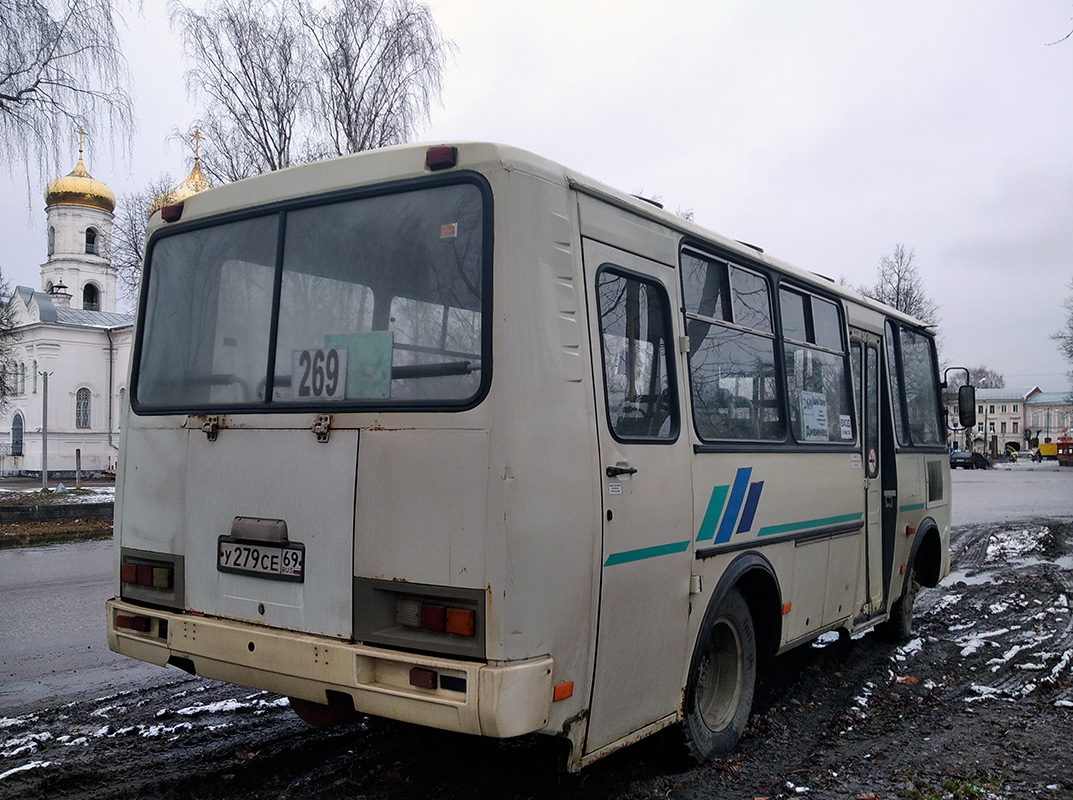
[(967, 406)]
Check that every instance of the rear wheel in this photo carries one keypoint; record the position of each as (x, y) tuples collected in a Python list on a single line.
[(899, 628), (721, 682)]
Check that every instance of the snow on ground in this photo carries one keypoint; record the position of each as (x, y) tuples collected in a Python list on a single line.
[(1004, 545), (68, 496), (25, 767), (43, 743)]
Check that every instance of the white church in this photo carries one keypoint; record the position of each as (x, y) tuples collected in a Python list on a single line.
[(69, 337)]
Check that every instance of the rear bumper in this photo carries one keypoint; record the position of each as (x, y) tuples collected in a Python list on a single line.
[(487, 700)]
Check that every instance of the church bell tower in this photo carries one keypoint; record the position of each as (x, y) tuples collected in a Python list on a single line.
[(79, 270)]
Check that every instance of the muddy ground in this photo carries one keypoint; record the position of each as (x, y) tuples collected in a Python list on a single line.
[(978, 705)]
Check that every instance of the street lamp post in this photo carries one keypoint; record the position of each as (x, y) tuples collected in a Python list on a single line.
[(44, 430)]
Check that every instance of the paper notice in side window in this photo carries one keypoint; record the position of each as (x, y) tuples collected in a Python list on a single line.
[(814, 417), (845, 425), (449, 230)]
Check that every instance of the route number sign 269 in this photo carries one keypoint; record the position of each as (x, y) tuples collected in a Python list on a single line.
[(320, 373)]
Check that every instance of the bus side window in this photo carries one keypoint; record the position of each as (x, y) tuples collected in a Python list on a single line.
[(816, 376), (634, 332), (732, 371)]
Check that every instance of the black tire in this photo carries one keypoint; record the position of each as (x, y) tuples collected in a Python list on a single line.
[(722, 678), (899, 628)]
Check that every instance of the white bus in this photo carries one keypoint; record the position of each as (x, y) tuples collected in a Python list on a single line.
[(457, 436)]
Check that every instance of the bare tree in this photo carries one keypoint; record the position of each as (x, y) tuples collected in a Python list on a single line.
[(251, 69), (8, 337), (288, 81), (982, 377), (899, 284), (1064, 337), (128, 234), (379, 68), (60, 67)]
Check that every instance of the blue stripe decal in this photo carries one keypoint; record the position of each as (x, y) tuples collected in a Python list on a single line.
[(737, 495), (750, 507), (711, 516), (646, 552), (794, 527)]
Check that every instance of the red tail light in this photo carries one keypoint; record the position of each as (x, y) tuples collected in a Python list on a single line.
[(148, 575), (432, 617), (133, 623), (423, 678)]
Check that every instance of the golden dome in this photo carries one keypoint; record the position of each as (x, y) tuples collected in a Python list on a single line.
[(195, 182), (79, 188)]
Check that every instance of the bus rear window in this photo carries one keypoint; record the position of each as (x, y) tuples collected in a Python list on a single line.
[(373, 301)]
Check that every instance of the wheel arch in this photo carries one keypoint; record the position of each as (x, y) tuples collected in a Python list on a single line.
[(926, 555), (754, 577)]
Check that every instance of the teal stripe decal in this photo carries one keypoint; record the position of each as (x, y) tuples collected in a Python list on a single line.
[(646, 552), (913, 507), (794, 527), (715, 510)]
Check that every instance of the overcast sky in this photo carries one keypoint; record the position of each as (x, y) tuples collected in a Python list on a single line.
[(824, 132)]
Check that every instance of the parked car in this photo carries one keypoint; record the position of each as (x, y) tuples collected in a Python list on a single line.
[(969, 460)]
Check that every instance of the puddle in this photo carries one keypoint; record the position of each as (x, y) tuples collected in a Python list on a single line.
[(1063, 563), (962, 576)]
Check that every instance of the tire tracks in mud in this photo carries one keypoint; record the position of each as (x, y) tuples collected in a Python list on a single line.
[(1007, 606)]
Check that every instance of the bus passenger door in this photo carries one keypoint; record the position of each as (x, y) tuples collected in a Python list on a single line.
[(647, 494), (866, 372)]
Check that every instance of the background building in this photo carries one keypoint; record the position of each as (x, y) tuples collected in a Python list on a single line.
[(1049, 415), (1000, 415), (68, 336)]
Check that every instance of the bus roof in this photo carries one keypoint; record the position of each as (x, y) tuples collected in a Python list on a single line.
[(402, 162)]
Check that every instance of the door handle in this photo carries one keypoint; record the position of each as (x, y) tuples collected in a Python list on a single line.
[(614, 472)]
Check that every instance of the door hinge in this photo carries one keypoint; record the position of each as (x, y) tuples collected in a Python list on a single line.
[(211, 427), (683, 344), (322, 426)]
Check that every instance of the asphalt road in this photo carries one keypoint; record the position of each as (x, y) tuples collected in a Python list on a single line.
[(1010, 492), (52, 632)]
